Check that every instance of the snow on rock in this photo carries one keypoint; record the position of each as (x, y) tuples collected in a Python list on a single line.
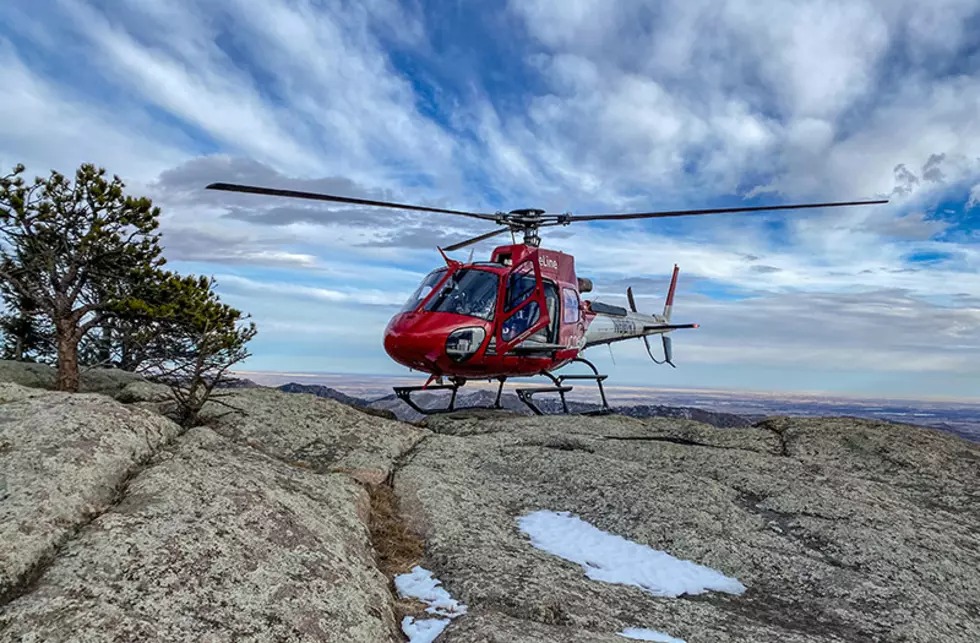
[(614, 559), (425, 630), (643, 634), (421, 585)]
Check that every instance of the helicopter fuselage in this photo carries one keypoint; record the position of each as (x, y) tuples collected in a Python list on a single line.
[(517, 315)]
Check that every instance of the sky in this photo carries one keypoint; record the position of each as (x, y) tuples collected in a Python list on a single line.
[(581, 106)]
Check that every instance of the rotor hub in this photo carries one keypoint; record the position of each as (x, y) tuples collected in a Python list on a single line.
[(526, 221)]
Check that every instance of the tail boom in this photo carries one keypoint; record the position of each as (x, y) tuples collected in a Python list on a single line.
[(615, 324)]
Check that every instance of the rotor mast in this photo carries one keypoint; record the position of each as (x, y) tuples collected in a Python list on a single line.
[(526, 221)]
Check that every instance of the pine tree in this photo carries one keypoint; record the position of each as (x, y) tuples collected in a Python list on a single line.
[(196, 339), (64, 243)]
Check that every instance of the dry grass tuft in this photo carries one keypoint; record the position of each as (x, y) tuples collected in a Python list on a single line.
[(409, 607), (398, 548)]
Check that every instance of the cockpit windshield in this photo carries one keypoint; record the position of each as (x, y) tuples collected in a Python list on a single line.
[(468, 292), (431, 281)]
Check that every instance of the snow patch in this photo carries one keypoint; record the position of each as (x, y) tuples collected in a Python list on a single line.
[(424, 630), (643, 634), (420, 584), (614, 559)]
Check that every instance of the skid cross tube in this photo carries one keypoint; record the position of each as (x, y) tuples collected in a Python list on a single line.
[(525, 395), (561, 388), (404, 393), (595, 376)]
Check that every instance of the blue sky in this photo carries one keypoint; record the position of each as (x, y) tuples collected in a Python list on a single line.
[(569, 105)]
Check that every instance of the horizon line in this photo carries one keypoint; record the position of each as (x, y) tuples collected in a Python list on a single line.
[(665, 389)]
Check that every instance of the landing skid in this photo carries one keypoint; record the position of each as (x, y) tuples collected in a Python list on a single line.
[(404, 393), (561, 388), (526, 395)]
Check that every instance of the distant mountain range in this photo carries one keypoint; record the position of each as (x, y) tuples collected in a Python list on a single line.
[(510, 401), (960, 419), (323, 391)]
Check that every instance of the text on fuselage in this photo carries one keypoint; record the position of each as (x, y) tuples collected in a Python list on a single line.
[(547, 262), (624, 327)]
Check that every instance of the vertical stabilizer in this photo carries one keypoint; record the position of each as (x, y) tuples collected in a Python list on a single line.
[(670, 294)]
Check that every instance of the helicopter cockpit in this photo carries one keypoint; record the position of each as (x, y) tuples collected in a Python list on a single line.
[(511, 301), (428, 284), (468, 291)]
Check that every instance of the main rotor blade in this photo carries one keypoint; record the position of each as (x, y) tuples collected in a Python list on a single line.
[(681, 213), (233, 187), (463, 244)]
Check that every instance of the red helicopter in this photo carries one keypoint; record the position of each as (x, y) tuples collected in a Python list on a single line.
[(520, 314)]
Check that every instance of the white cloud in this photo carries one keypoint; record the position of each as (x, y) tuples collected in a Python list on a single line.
[(195, 83), (974, 197), (807, 90), (48, 127), (817, 260), (873, 331), (262, 81), (373, 297)]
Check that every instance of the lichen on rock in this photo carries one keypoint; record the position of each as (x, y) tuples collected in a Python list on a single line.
[(288, 518), (64, 460), (321, 434), (855, 531), (216, 541)]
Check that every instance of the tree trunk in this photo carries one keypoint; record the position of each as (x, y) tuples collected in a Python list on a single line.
[(19, 349), (105, 345), (67, 358), (128, 356)]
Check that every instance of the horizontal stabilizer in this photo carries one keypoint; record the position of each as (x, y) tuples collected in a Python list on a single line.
[(668, 327)]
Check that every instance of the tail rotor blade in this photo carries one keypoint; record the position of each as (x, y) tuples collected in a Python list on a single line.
[(668, 351), (629, 296)]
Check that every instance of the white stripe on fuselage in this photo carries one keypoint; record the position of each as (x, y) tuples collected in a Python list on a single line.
[(614, 328)]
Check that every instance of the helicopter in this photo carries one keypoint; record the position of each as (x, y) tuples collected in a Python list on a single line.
[(520, 314)]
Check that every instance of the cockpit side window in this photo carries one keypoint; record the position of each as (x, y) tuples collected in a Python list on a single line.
[(570, 306), (520, 286), (431, 281), (467, 292)]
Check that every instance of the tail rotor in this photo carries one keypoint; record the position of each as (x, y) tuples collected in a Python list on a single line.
[(663, 324), (668, 350)]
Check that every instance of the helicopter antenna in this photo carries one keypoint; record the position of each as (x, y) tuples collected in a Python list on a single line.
[(528, 220)]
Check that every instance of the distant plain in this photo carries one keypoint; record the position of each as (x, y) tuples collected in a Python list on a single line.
[(961, 417)]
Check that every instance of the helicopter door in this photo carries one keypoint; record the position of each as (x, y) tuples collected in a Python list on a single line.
[(524, 308)]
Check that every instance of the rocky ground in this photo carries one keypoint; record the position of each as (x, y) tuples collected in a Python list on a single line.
[(288, 521)]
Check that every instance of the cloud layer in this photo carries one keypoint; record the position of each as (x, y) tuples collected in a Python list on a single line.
[(572, 105)]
